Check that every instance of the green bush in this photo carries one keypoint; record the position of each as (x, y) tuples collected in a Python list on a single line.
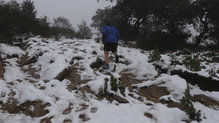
[(193, 64), (98, 39), (100, 92), (154, 56), (164, 41), (121, 88), (117, 85), (103, 90), (113, 83), (188, 107), (212, 72), (84, 31), (105, 86), (19, 19), (60, 31)]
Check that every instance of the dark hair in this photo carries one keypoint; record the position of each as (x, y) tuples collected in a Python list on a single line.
[(107, 22)]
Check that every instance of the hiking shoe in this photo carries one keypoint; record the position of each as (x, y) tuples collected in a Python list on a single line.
[(106, 66), (117, 59)]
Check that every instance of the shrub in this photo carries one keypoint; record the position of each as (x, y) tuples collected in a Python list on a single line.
[(59, 32), (19, 19), (121, 88), (116, 84), (100, 91), (105, 86), (84, 31), (113, 83), (154, 56), (103, 90), (188, 107), (98, 39), (212, 72), (193, 64), (163, 40)]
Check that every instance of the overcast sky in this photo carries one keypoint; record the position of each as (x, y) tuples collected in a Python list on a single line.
[(74, 10)]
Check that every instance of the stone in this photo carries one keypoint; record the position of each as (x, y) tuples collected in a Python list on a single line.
[(153, 92)]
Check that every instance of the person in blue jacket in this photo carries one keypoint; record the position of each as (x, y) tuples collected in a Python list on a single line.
[(110, 38)]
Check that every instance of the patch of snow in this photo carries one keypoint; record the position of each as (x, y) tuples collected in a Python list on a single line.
[(10, 50), (57, 55), (194, 90), (12, 71)]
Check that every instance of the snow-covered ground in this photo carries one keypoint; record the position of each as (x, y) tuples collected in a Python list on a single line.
[(54, 56)]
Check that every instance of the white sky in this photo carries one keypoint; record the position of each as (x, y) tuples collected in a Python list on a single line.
[(74, 10)]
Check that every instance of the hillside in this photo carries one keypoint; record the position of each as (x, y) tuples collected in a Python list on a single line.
[(49, 81)]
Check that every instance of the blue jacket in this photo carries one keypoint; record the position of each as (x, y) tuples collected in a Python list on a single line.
[(110, 34)]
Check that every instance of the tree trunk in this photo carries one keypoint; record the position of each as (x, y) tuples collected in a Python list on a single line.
[(200, 37)]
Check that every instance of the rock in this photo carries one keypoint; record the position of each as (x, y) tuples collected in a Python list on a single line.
[(97, 64), (78, 58), (153, 92), (33, 72), (86, 89), (148, 115), (39, 109), (94, 52), (111, 97), (12, 56), (120, 99), (33, 59), (172, 104), (205, 100), (64, 74), (10, 107), (84, 117), (74, 77), (67, 121), (70, 73), (30, 108), (93, 110), (67, 111), (46, 120), (25, 60), (128, 79)]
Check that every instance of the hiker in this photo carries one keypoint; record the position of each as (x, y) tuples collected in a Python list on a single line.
[(110, 38)]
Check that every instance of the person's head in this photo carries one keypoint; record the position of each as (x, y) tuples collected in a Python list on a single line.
[(107, 22)]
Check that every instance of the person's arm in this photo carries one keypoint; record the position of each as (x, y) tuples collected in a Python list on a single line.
[(103, 38), (103, 31), (117, 34)]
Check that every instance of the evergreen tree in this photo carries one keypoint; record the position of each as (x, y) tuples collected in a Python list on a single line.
[(84, 31), (18, 19), (10, 16), (28, 9), (28, 23), (62, 22), (159, 22), (62, 27)]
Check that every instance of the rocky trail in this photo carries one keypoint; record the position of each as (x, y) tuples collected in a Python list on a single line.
[(64, 81)]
